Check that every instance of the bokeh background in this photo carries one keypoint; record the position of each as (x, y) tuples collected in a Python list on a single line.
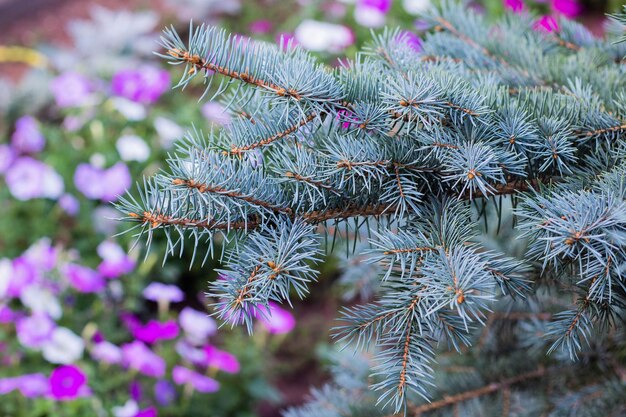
[(91, 325)]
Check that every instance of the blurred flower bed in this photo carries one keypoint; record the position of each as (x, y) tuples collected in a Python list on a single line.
[(87, 325)]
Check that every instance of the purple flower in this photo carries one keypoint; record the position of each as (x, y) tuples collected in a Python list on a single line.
[(147, 412), (412, 40), (115, 262), (546, 24), (34, 385), (24, 273), (106, 352), (28, 178), (277, 320), (516, 6), (27, 138), (260, 27), (382, 6), (68, 382), (154, 331), (198, 326), (201, 383), (84, 279), (144, 85), (102, 184), (164, 393), (136, 355), (70, 90), (34, 331), (135, 391), (30, 385), (568, 8), (69, 204), (7, 156), (191, 353), (221, 360), (157, 291)]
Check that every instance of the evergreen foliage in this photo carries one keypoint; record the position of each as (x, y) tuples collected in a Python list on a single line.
[(411, 151)]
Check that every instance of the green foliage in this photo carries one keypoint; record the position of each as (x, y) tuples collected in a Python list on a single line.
[(412, 148)]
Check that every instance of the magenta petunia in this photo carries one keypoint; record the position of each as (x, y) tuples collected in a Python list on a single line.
[(68, 382), (516, 6), (568, 8), (201, 383), (137, 356), (546, 24), (70, 89), (277, 320), (147, 412), (285, 39), (153, 331), (222, 360), (260, 27), (27, 138), (143, 85), (84, 279)]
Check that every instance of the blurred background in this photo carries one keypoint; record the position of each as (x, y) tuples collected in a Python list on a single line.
[(88, 325)]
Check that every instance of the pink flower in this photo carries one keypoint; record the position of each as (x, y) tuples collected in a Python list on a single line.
[(106, 352), (284, 39), (546, 24), (381, 5), (24, 273), (568, 8), (84, 279), (70, 90), (115, 262), (201, 383), (27, 137), (69, 204), (28, 178), (278, 320), (144, 85), (221, 360), (516, 6), (371, 13), (34, 331), (154, 331), (42, 254), (7, 156), (136, 355), (102, 184), (157, 291), (260, 27), (68, 382), (412, 40)]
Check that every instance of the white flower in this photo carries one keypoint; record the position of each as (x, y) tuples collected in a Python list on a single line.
[(132, 148), (198, 326), (323, 36), (168, 131), (369, 17), (64, 347), (41, 300), (129, 109), (6, 270), (53, 185), (130, 409), (416, 7)]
